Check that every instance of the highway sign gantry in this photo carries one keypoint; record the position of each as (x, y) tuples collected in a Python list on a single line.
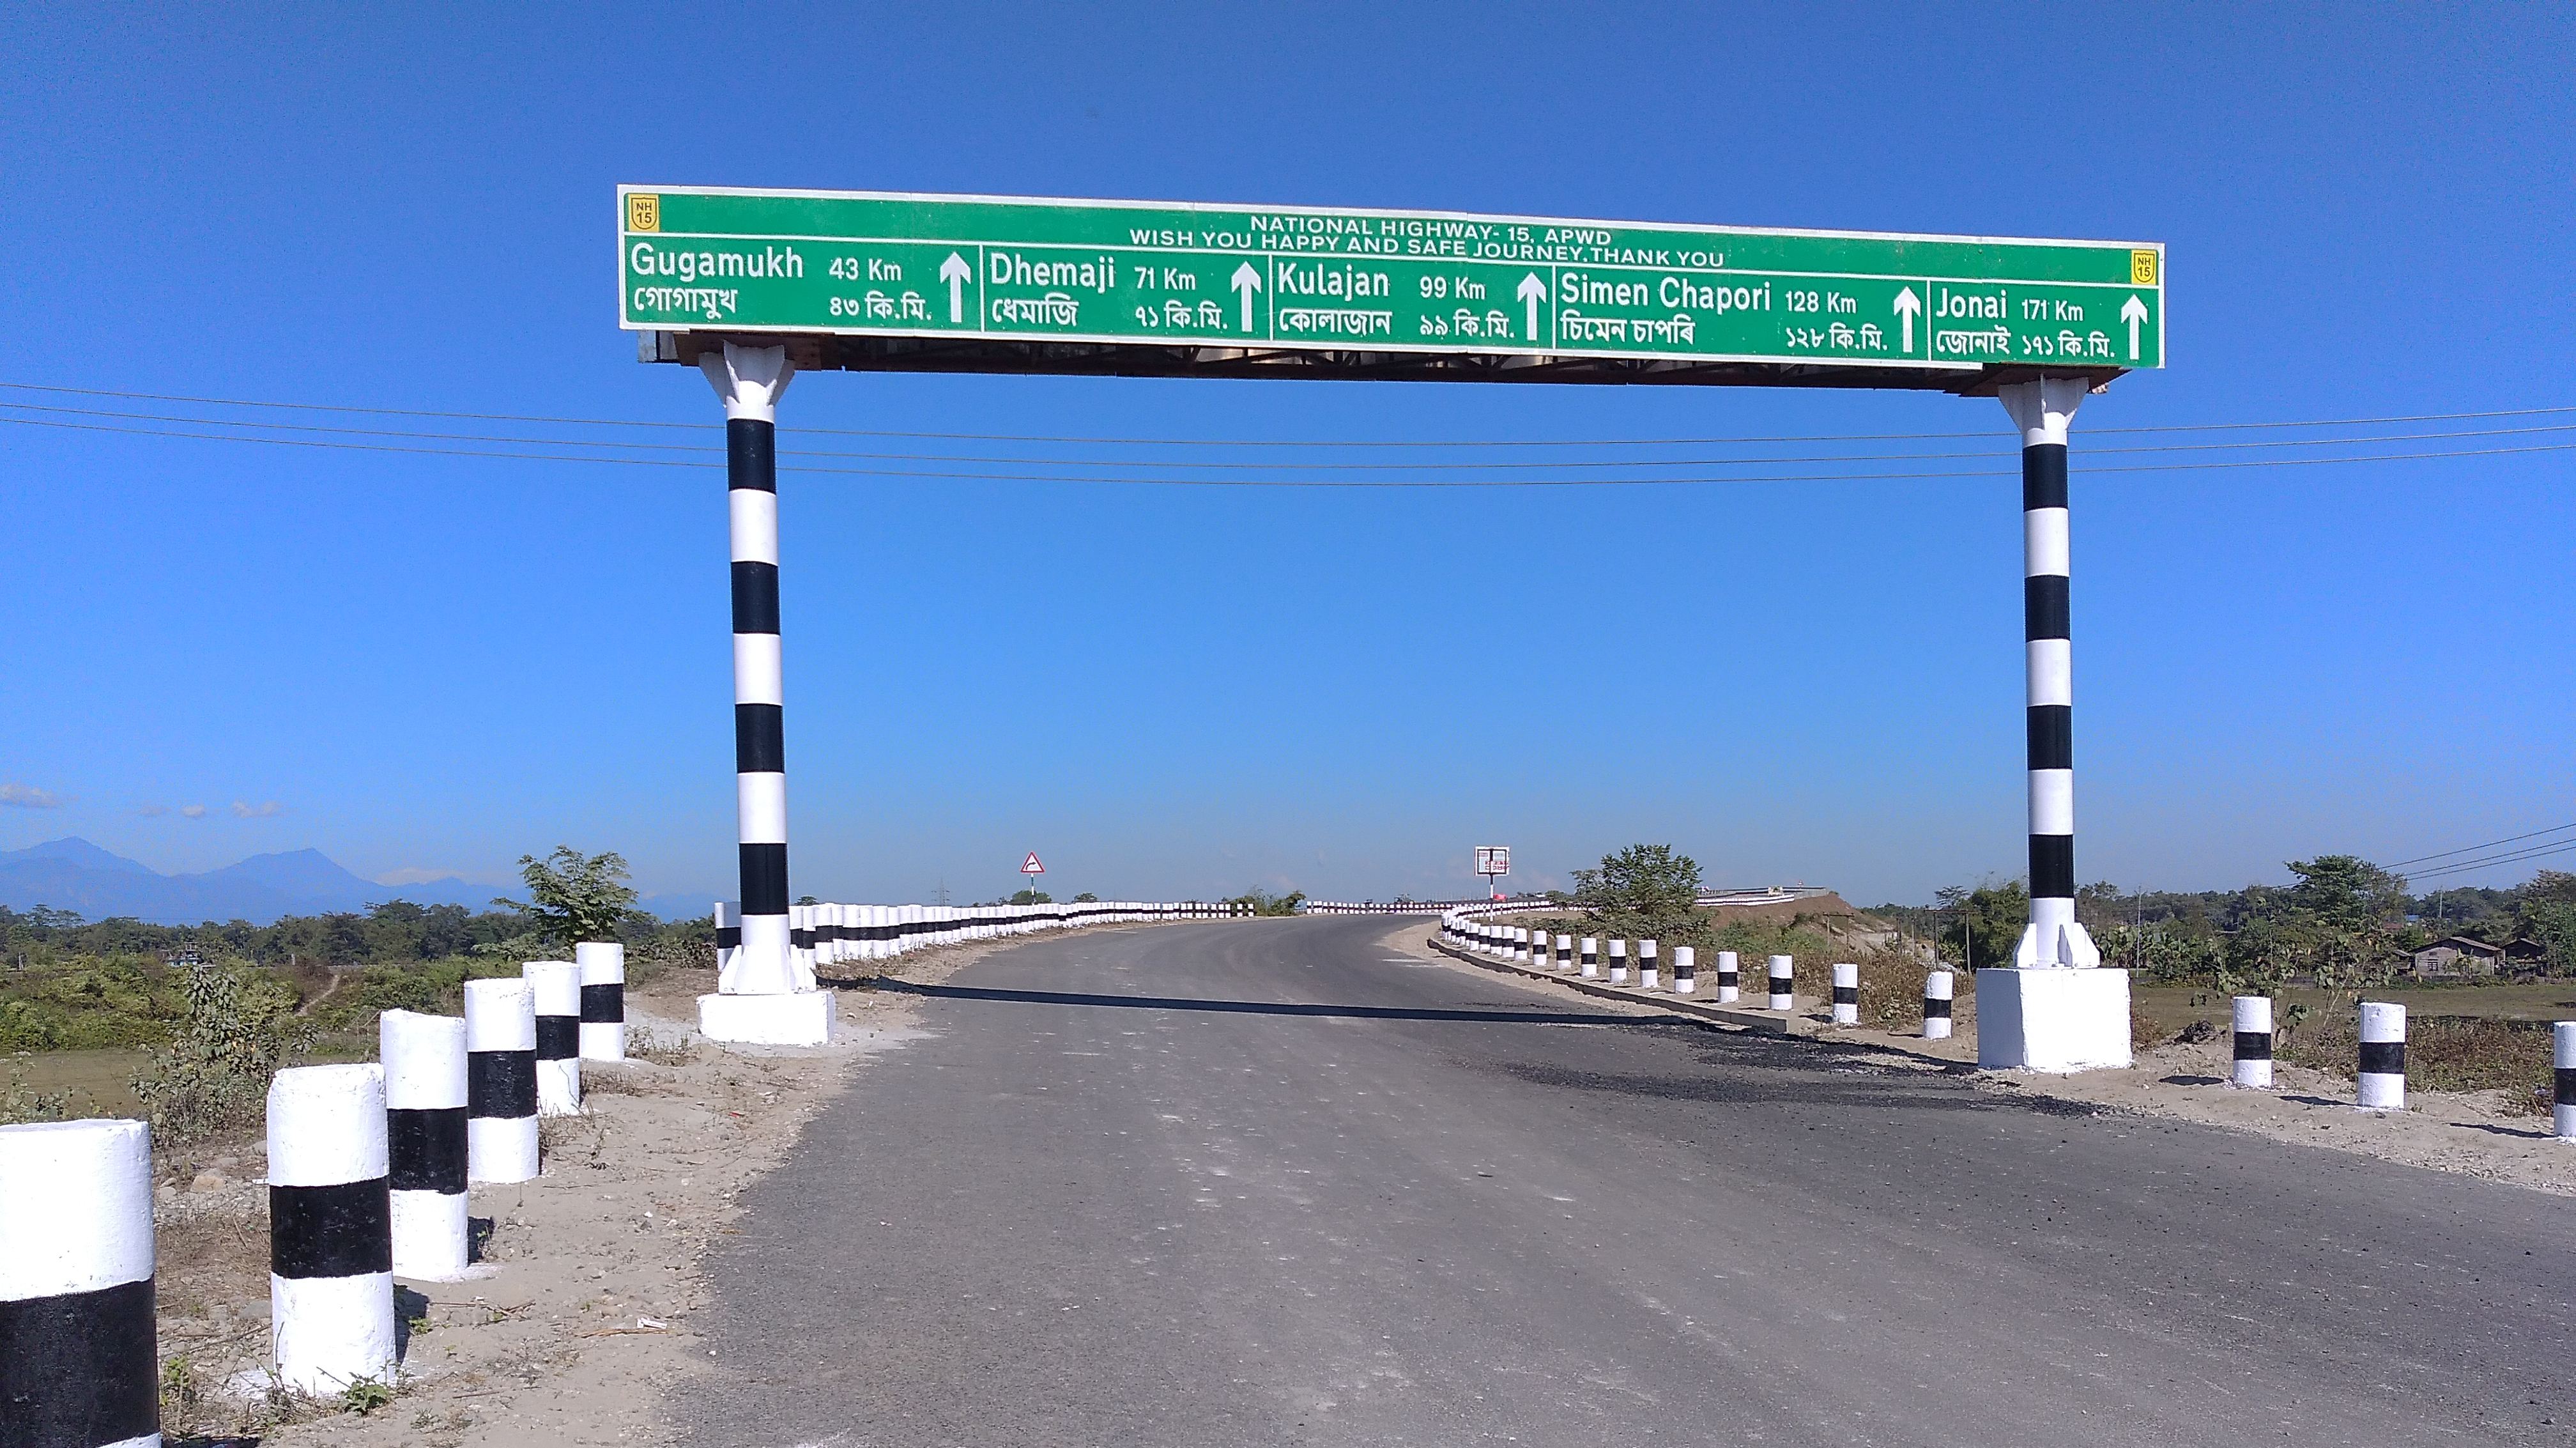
[(1018, 284)]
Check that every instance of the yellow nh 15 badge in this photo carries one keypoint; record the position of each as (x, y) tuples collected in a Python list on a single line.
[(644, 213), (2142, 264)]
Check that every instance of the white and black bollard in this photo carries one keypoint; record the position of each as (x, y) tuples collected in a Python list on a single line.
[(424, 1061), (1729, 978), (2562, 1058), (603, 999), (2383, 1056), (1846, 994), (1591, 957), (1565, 952), (1619, 962), (1783, 984), (1936, 1005), (330, 1236), (1685, 970), (1650, 970), (557, 988), (2253, 1023), (500, 1081), (78, 1358)]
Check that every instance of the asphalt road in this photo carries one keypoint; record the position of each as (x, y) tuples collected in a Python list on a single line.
[(1256, 1183)]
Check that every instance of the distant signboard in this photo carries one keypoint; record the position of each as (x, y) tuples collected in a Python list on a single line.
[(1030, 866), (1493, 859), (1224, 281)]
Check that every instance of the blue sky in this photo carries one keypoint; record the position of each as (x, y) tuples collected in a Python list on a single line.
[(423, 664)]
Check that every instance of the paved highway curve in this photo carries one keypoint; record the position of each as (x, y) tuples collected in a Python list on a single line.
[(1144, 1187)]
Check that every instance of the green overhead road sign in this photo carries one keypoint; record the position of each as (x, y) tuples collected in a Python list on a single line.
[(997, 283)]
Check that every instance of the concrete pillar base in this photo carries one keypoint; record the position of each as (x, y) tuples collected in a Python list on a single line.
[(2059, 1020), (802, 1018)]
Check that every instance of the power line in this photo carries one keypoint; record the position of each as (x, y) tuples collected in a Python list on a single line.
[(414, 434), (1278, 443), (1143, 481), (2489, 845), (2539, 852), (1635, 463)]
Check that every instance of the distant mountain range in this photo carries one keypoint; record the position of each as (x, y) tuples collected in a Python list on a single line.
[(73, 874)]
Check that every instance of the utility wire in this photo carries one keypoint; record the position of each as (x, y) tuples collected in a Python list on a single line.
[(2473, 849), (411, 434), (1133, 480), (2537, 853), (1287, 443), (1632, 463)]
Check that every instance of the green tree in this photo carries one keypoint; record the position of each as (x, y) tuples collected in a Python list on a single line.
[(1985, 923), (1032, 897), (574, 897), (2345, 891), (2548, 915), (1086, 898), (1643, 889)]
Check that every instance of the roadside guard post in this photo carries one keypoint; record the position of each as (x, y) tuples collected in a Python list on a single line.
[(757, 286)]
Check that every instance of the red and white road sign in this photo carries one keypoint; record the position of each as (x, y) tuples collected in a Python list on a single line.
[(1030, 866)]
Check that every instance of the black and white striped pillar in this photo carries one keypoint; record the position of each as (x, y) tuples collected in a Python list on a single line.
[(1846, 993), (330, 1229), (425, 1106), (750, 380), (500, 1081), (555, 988), (1650, 970), (2252, 1018), (1783, 984), (728, 918), (1619, 961), (1565, 952), (1729, 978), (2562, 1060), (1685, 970), (1591, 957), (2383, 1056), (1937, 988), (78, 1356), (603, 999), (2043, 410)]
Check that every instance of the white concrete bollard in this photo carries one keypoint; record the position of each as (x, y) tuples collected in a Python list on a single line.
[(1937, 986), (1565, 952), (1784, 984), (1520, 945), (728, 918), (557, 984), (330, 1239), (603, 999), (1846, 994), (2253, 1024), (500, 1081), (2383, 1056), (1729, 978), (424, 1063), (1650, 970), (1619, 962), (1685, 970), (1591, 957), (79, 1362), (2562, 1058)]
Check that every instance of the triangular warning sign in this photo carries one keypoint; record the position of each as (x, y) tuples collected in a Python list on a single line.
[(1030, 866)]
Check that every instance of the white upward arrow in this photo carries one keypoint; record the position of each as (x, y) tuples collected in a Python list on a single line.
[(1533, 291), (2133, 312), (1907, 304), (955, 271), (1247, 281)]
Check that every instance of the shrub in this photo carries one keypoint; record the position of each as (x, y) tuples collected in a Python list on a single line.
[(214, 1072)]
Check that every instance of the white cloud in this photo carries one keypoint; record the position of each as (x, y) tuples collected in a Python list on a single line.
[(27, 796), (193, 811), (265, 809)]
